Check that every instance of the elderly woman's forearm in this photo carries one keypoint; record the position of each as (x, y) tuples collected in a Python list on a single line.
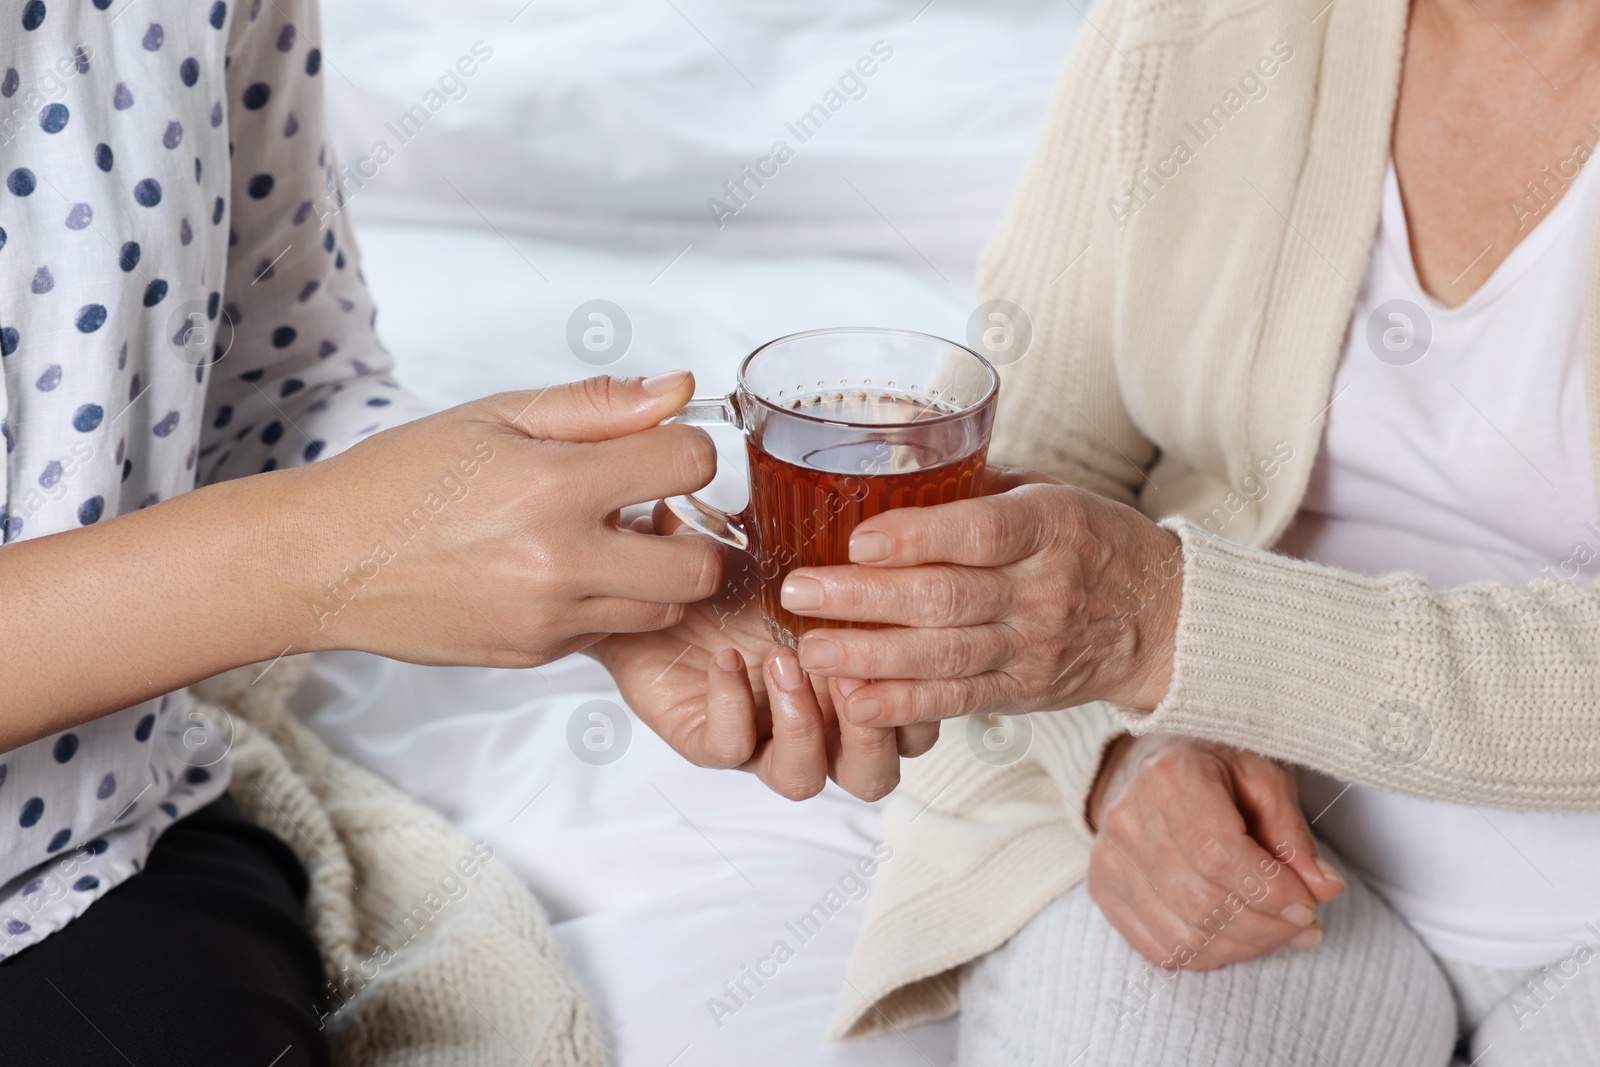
[(1486, 694)]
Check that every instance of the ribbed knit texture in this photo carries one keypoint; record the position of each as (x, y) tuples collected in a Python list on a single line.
[(1483, 695), (1534, 1016), (1069, 990), (968, 836), (472, 977), (1187, 321)]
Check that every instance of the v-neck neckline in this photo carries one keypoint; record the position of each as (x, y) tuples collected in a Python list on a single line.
[(1546, 232)]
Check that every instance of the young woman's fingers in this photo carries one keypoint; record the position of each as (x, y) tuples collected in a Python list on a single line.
[(794, 763), (664, 520), (659, 570), (659, 462), (728, 737), (595, 409), (619, 615)]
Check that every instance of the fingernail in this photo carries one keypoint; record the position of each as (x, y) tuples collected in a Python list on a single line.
[(728, 660), (1299, 914), (848, 685), (1329, 873), (865, 712), (870, 547), (801, 594), (662, 384), (1307, 939), (786, 671), (818, 653)]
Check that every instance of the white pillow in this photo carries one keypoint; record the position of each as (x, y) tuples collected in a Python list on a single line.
[(621, 120)]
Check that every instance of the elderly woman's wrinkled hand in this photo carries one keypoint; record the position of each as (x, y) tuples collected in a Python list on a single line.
[(1202, 856), (1043, 596)]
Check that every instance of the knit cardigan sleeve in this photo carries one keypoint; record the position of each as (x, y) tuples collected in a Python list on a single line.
[(1061, 410), (1051, 257), (1487, 694)]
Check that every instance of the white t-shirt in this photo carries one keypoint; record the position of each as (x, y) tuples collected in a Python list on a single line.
[(1457, 448)]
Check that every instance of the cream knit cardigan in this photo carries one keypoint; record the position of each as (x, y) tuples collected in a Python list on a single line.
[(437, 954), (1187, 240)]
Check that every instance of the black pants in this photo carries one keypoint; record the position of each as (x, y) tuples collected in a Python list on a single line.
[(201, 959)]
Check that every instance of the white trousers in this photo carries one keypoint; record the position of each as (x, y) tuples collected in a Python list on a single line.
[(1068, 991)]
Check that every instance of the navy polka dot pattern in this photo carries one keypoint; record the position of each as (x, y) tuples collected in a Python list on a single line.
[(66, 747), (32, 812), (181, 305), (53, 119), (147, 193)]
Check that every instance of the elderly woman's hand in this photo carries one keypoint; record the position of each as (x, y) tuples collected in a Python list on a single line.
[(720, 692), (1203, 857), (1043, 596)]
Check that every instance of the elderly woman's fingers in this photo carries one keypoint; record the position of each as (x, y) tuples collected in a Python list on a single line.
[(1269, 800), (1125, 921), (728, 736), (1197, 873), (1196, 923), (866, 761), (1211, 837), (794, 762), (900, 702), (917, 739), (999, 479), (921, 596), (943, 652), (985, 531)]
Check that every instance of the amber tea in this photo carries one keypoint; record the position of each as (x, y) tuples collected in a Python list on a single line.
[(803, 508), (839, 426)]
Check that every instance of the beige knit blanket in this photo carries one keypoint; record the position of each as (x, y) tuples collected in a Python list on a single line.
[(437, 954)]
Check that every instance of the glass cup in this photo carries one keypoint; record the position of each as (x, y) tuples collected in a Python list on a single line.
[(840, 425)]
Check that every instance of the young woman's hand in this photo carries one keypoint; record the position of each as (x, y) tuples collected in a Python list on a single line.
[(1203, 857), (723, 694), (1043, 596), (489, 534)]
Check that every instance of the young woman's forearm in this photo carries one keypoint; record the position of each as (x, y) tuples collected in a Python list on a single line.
[(125, 610), (483, 535)]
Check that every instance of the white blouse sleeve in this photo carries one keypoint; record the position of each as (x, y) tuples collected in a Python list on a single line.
[(300, 373)]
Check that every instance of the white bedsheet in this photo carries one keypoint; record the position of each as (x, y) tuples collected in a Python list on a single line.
[(664, 880), (610, 123)]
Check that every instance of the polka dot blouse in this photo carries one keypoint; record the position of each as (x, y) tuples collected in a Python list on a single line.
[(180, 302)]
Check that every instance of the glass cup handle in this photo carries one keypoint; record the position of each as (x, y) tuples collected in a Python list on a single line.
[(711, 521)]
